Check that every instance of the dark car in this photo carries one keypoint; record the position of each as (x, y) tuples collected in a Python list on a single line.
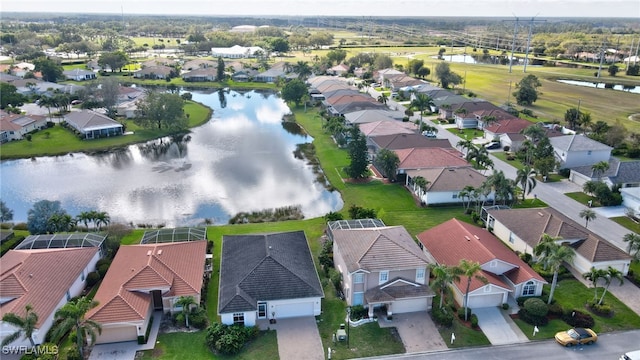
[(492, 146)]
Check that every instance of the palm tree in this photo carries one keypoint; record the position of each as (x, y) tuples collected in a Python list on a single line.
[(526, 177), (469, 270), (534, 132), (102, 218), (552, 255), (421, 183), (590, 187), (634, 244), (48, 102), (383, 98), (26, 325), (185, 302), (503, 188), (303, 70), (71, 317), (466, 193), (488, 120), (422, 102), (443, 277), (587, 215), (611, 274), (594, 275), (599, 169), (465, 145), (585, 121)]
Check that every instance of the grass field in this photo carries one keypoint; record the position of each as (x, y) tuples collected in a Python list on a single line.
[(628, 223)]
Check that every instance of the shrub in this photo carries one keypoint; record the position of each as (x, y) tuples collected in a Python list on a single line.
[(229, 340), (198, 318), (530, 319), (461, 313), (358, 312), (442, 316), (564, 172), (555, 309), (536, 307), (602, 310), (73, 353), (20, 226), (505, 306), (102, 262), (474, 321), (93, 278), (506, 148), (102, 269), (577, 318), (6, 226), (526, 257)]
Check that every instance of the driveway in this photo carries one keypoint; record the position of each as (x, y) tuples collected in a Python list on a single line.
[(298, 338), (127, 350), (498, 327), (417, 331), (611, 211)]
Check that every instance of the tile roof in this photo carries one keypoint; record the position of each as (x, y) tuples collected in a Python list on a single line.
[(513, 125), (158, 70), (395, 289), (405, 141), (137, 269), (375, 249), (366, 116), (450, 178), (420, 158), (530, 224), (347, 107), (577, 143), (455, 240), (262, 267), (87, 120), (40, 278), (15, 122)]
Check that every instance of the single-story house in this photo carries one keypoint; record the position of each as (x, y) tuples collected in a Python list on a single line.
[(338, 70), (153, 72), (506, 274), (381, 76), (198, 64), (79, 75), (45, 279), (622, 173), (244, 75), (201, 74), (403, 141), (236, 52), (513, 140), (367, 116), (512, 125), (578, 150), (159, 61), (380, 266), (16, 126), (387, 127), (93, 125), (145, 278), (444, 184), (279, 70), (267, 276), (425, 158), (465, 113), (631, 199), (522, 230)]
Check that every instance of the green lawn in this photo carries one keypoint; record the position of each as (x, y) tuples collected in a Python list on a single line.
[(546, 332), (468, 134), (465, 336), (583, 198), (628, 223)]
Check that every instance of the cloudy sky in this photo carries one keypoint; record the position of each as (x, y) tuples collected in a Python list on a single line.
[(521, 8)]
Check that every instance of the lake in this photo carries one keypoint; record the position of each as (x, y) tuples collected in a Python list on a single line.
[(241, 160), (601, 85)]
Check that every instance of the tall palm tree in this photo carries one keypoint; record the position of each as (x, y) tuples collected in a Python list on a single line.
[(102, 218), (469, 270), (422, 102), (534, 132), (552, 255), (465, 145), (587, 215), (421, 183), (466, 193), (383, 98), (590, 187), (503, 188), (71, 317), (599, 169), (303, 69), (611, 274), (443, 277), (594, 275), (26, 325), (526, 177), (634, 244), (185, 302)]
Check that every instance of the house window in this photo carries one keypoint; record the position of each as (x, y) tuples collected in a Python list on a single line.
[(487, 288), (384, 277), (529, 289), (420, 275), (358, 298), (358, 278), (238, 318), (68, 296), (512, 238), (454, 196), (493, 263)]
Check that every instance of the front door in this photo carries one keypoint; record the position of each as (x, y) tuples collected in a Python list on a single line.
[(262, 310), (157, 299)]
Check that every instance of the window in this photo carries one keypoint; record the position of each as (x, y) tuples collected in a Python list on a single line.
[(420, 275), (454, 196), (493, 263), (68, 296), (358, 278), (384, 277), (238, 318), (358, 298), (512, 238), (487, 288), (529, 289)]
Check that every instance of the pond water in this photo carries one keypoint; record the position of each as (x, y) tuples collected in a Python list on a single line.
[(241, 160), (601, 85), (468, 59)]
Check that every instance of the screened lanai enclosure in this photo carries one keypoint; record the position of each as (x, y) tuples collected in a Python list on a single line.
[(174, 235), (63, 241)]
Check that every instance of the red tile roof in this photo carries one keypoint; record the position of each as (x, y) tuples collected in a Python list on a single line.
[(420, 158), (40, 278), (137, 269), (514, 125)]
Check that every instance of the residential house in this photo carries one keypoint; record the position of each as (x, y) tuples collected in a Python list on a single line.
[(201, 74), (513, 140), (404, 141), (146, 278), (465, 116), (522, 230), (503, 125), (425, 158), (338, 70), (620, 173), (381, 266), (198, 64), (387, 127), (159, 61), (342, 105), (39, 87), (631, 199), (444, 184), (398, 82), (578, 150), (279, 70), (45, 279), (22, 69), (507, 275), (158, 72), (444, 100), (367, 116), (236, 52), (79, 75), (244, 75), (16, 126), (383, 75), (267, 276), (93, 125), (127, 102)]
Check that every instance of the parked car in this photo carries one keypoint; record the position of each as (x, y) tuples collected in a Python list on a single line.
[(631, 355), (576, 336), (492, 146), (429, 134)]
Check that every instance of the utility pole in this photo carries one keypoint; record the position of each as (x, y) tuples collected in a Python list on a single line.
[(509, 94), (513, 43), (630, 51), (526, 55), (601, 58)]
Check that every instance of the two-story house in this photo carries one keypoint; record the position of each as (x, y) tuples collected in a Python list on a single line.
[(578, 150)]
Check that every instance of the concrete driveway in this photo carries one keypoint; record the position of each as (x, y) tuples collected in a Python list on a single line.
[(298, 338), (498, 327), (417, 331)]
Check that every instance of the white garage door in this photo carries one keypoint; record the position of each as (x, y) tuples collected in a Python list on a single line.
[(479, 301), (411, 305), (118, 334), (294, 310)]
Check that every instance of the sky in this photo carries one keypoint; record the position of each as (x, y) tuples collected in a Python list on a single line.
[(500, 8)]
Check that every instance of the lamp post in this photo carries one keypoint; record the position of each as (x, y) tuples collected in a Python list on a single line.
[(348, 325)]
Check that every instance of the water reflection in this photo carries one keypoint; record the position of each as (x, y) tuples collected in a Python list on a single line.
[(241, 160), (601, 85)]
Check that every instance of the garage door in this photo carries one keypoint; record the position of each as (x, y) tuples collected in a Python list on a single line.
[(478, 301), (294, 310), (117, 334), (411, 305)]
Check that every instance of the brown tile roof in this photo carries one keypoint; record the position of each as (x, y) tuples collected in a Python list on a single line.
[(395, 289), (405, 141), (449, 178), (530, 224), (455, 240), (40, 278), (420, 158), (137, 269), (383, 248), (388, 127), (514, 125)]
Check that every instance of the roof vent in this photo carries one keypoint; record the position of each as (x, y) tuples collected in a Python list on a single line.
[(476, 236), (160, 252), (540, 214), (30, 275), (149, 253), (468, 238)]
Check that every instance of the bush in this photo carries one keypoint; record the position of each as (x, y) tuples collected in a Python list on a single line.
[(555, 309), (536, 307), (602, 310), (198, 318), (442, 316), (102, 269), (474, 321), (93, 278), (6, 226), (564, 172), (633, 153), (577, 318), (532, 320), (229, 340), (461, 313), (103, 261), (506, 148), (505, 306), (358, 312), (526, 257), (73, 353)]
